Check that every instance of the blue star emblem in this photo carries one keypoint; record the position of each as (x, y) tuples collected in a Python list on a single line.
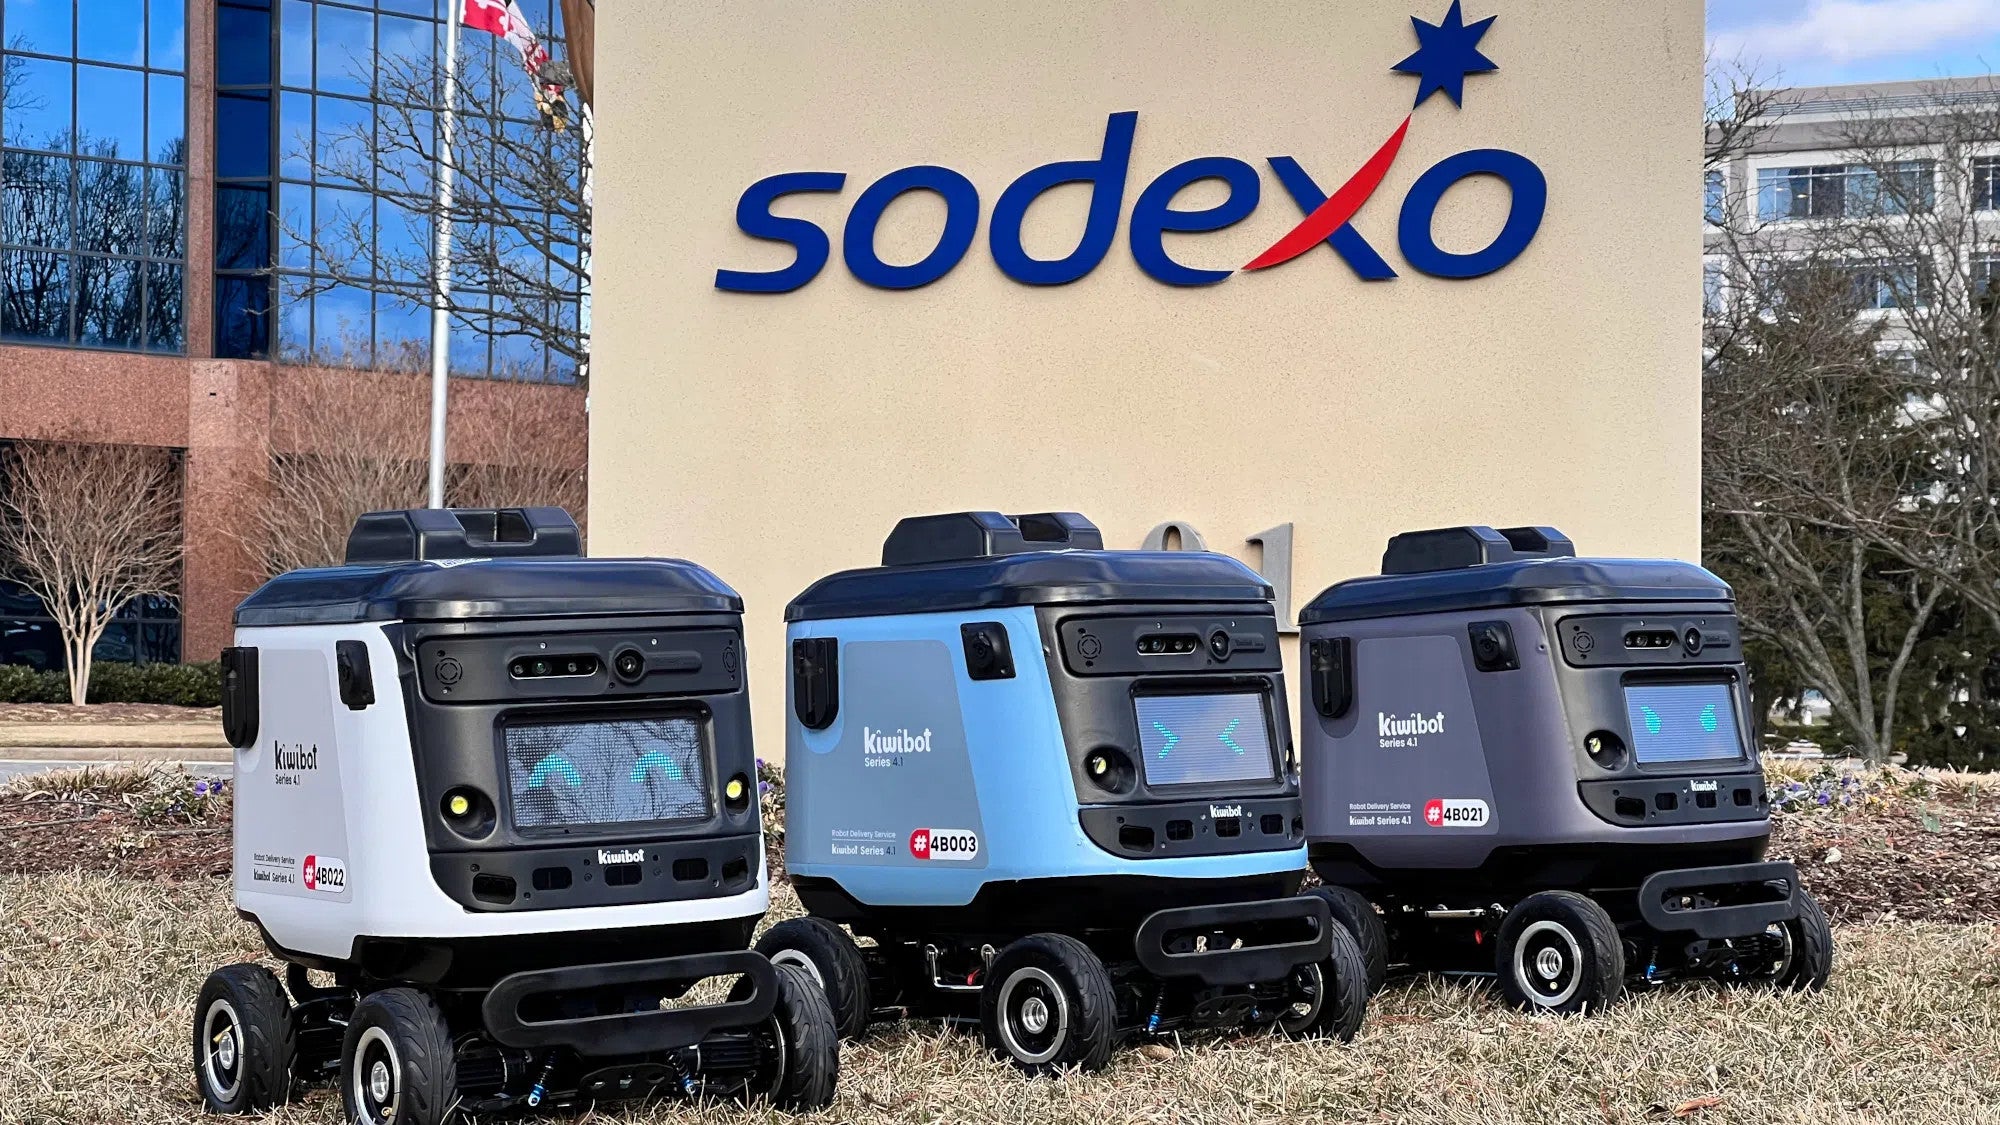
[(1447, 52)]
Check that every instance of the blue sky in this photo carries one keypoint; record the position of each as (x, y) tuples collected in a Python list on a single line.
[(1815, 42)]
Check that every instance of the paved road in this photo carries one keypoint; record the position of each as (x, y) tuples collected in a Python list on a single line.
[(10, 768)]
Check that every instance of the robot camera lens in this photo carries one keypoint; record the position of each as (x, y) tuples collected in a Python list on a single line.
[(1691, 640), (541, 667), (629, 665), (1218, 645)]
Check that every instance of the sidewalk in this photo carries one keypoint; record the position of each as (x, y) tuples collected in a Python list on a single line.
[(164, 741)]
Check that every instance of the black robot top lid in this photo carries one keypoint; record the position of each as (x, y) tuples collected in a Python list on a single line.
[(1461, 568), (453, 564), (978, 560)]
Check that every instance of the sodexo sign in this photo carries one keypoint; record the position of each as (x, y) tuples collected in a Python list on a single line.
[(1446, 53)]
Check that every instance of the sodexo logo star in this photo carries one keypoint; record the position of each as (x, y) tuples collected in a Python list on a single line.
[(1446, 53)]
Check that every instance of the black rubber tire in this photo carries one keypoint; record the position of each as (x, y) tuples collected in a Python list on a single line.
[(1812, 949), (812, 1049), (425, 1067), (1343, 993), (836, 965), (1084, 1018), (1580, 931), (266, 1040), (1357, 914)]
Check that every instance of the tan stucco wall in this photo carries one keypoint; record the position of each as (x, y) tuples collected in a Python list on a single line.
[(777, 438)]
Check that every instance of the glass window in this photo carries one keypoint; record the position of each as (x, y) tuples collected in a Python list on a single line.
[(166, 119), (108, 301), (166, 213), (294, 319), (113, 222), (344, 230), (344, 140), (34, 301), (242, 134), (41, 26), (111, 112), (295, 224), (1832, 191), (342, 330), (346, 43), (402, 331), (111, 30), (39, 200), (1986, 183), (1891, 285), (242, 43), (356, 181), (166, 34), (405, 45), (403, 236), (165, 320), (295, 136), (242, 315), (470, 332), (242, 226), (38, 102), (1716, 197), (295, 44), (110, 207)]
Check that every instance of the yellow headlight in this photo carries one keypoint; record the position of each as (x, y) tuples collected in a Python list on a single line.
[(460, 806), (734, 790)]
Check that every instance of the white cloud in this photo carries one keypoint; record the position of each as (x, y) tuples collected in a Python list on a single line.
[(1840, 31)]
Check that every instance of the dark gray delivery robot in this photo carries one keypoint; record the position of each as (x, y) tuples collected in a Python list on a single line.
[(1537, 764)]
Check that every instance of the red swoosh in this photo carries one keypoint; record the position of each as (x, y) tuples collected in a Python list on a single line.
[(1339, 207)]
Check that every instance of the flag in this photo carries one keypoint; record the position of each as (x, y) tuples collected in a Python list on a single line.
[(505, 19)]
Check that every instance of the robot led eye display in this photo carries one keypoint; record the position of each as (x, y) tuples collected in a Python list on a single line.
[(564, 774), (1194, 738), (1683, 723)]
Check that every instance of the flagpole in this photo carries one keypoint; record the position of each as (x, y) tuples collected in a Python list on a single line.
[(441, 268)]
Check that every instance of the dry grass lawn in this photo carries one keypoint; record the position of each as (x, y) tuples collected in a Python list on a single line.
[(98, 975)]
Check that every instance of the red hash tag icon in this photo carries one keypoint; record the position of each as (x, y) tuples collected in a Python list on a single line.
[(920, 843), (1434, 814)]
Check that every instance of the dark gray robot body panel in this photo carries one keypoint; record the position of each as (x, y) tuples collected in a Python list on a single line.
[(1537, 721)]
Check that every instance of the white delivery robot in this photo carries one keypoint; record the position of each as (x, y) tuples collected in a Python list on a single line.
[(505, 797)]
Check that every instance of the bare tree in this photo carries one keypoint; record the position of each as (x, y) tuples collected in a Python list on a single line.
[(1805, 423), (347, 440), (521, 211), (88, 528), (1852, 398)]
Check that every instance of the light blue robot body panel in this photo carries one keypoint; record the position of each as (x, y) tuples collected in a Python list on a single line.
[(929, 784)]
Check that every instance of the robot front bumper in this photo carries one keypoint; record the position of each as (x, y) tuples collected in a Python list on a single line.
[(1721, 902), (544, 1007), (1248, 942)]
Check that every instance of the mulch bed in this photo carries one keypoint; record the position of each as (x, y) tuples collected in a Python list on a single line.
[(1892, 864), (106, 713), (47, 835), (1935, 860)]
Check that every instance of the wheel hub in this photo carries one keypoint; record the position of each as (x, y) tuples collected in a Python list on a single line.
[(1549, 964), (1035, 1015), (225, 1049), (380, 1084)]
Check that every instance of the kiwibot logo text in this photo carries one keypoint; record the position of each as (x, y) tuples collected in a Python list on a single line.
[(1396, 731), (290, 763), (886, 748)]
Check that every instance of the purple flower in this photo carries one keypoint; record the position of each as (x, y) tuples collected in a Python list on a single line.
[(201, 788), (763, 787), (1825, 798), (760, 763)]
